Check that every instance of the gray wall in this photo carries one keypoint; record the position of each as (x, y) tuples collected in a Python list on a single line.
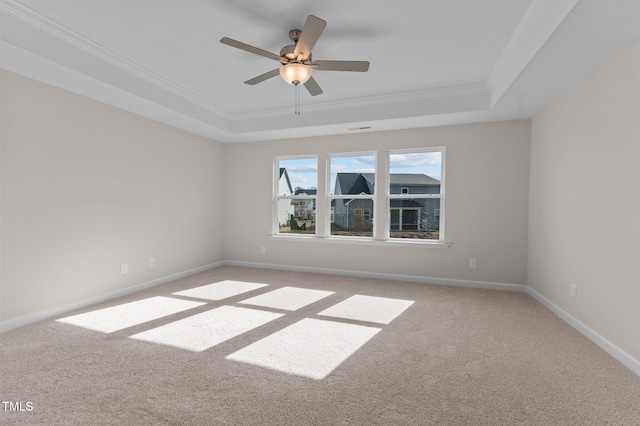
[(585, 202), (87, 187), (487, 181)]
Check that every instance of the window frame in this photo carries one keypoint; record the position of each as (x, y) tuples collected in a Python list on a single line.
[(277, 198), (389, 197), (331, 197), (381, 201)]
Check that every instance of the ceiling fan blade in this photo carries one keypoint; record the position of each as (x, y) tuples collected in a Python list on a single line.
[(358, 66), (312, 87), (239, 45), (263, 77), (311, 32)]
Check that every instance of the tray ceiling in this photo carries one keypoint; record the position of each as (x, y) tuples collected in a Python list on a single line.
[(432, 62)]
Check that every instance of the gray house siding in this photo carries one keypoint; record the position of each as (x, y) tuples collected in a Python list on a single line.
[(345, 211), (406, 214), (353, 214), (415, 214), (414, 189)]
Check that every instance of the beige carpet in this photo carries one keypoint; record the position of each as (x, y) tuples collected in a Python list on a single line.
[(454, 356)]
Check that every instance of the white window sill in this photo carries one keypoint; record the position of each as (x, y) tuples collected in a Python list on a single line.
[(396, 242)]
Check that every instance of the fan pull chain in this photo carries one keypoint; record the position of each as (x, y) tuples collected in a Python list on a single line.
[(296, 109)]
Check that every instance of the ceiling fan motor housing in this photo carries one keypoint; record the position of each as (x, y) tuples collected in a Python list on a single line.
[(287, 51), (294, 35)]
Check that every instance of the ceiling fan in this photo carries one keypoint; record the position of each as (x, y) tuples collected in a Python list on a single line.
[(297, 64)]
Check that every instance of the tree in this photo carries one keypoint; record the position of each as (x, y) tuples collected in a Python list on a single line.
[(426, 218), (358, 218)]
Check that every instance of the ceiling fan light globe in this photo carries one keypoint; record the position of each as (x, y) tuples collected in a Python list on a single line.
[(294, 72)]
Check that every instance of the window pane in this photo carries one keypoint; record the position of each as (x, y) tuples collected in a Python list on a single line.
[(297, 174), (301, 219), (417, 218), (415, 172), (353, 174), (297, 178), (352, 217)]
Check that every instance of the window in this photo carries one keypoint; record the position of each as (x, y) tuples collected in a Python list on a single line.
[(415, 193), (351, 194), (409, 208), (296, 181)]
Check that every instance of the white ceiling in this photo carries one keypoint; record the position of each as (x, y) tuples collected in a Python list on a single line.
[(433, 62)]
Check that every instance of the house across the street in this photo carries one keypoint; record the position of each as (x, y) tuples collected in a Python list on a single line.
[(407, 213)]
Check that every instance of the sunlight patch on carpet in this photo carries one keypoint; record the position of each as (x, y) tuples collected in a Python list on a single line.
[(309, 348), (288, 298), (127, 315), (368, 308), (220, 290), (207, 329)]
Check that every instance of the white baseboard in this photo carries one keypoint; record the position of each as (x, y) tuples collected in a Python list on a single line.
[(377, 275), (39, 316), (588, 332), (592, 335), (599, 340)]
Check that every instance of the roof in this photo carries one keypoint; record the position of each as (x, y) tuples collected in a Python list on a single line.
[(354, 183), (409, 179), (363, 183), (312, 191)]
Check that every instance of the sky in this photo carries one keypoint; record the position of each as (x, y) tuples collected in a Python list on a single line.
[(303, 172)]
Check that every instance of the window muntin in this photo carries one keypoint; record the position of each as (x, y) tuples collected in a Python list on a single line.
[(351, 194), (415, 192), (296, 195)]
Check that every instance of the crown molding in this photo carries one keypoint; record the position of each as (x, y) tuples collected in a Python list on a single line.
[(208, 119), (38, 68), (97, 72), (72, 38), (536, 27), (418, 95), (419, 103)]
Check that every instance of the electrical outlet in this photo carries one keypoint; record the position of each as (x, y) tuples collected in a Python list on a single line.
[(152, 262), (124, 268), (263, 249), (472, 263), (574, 289)]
